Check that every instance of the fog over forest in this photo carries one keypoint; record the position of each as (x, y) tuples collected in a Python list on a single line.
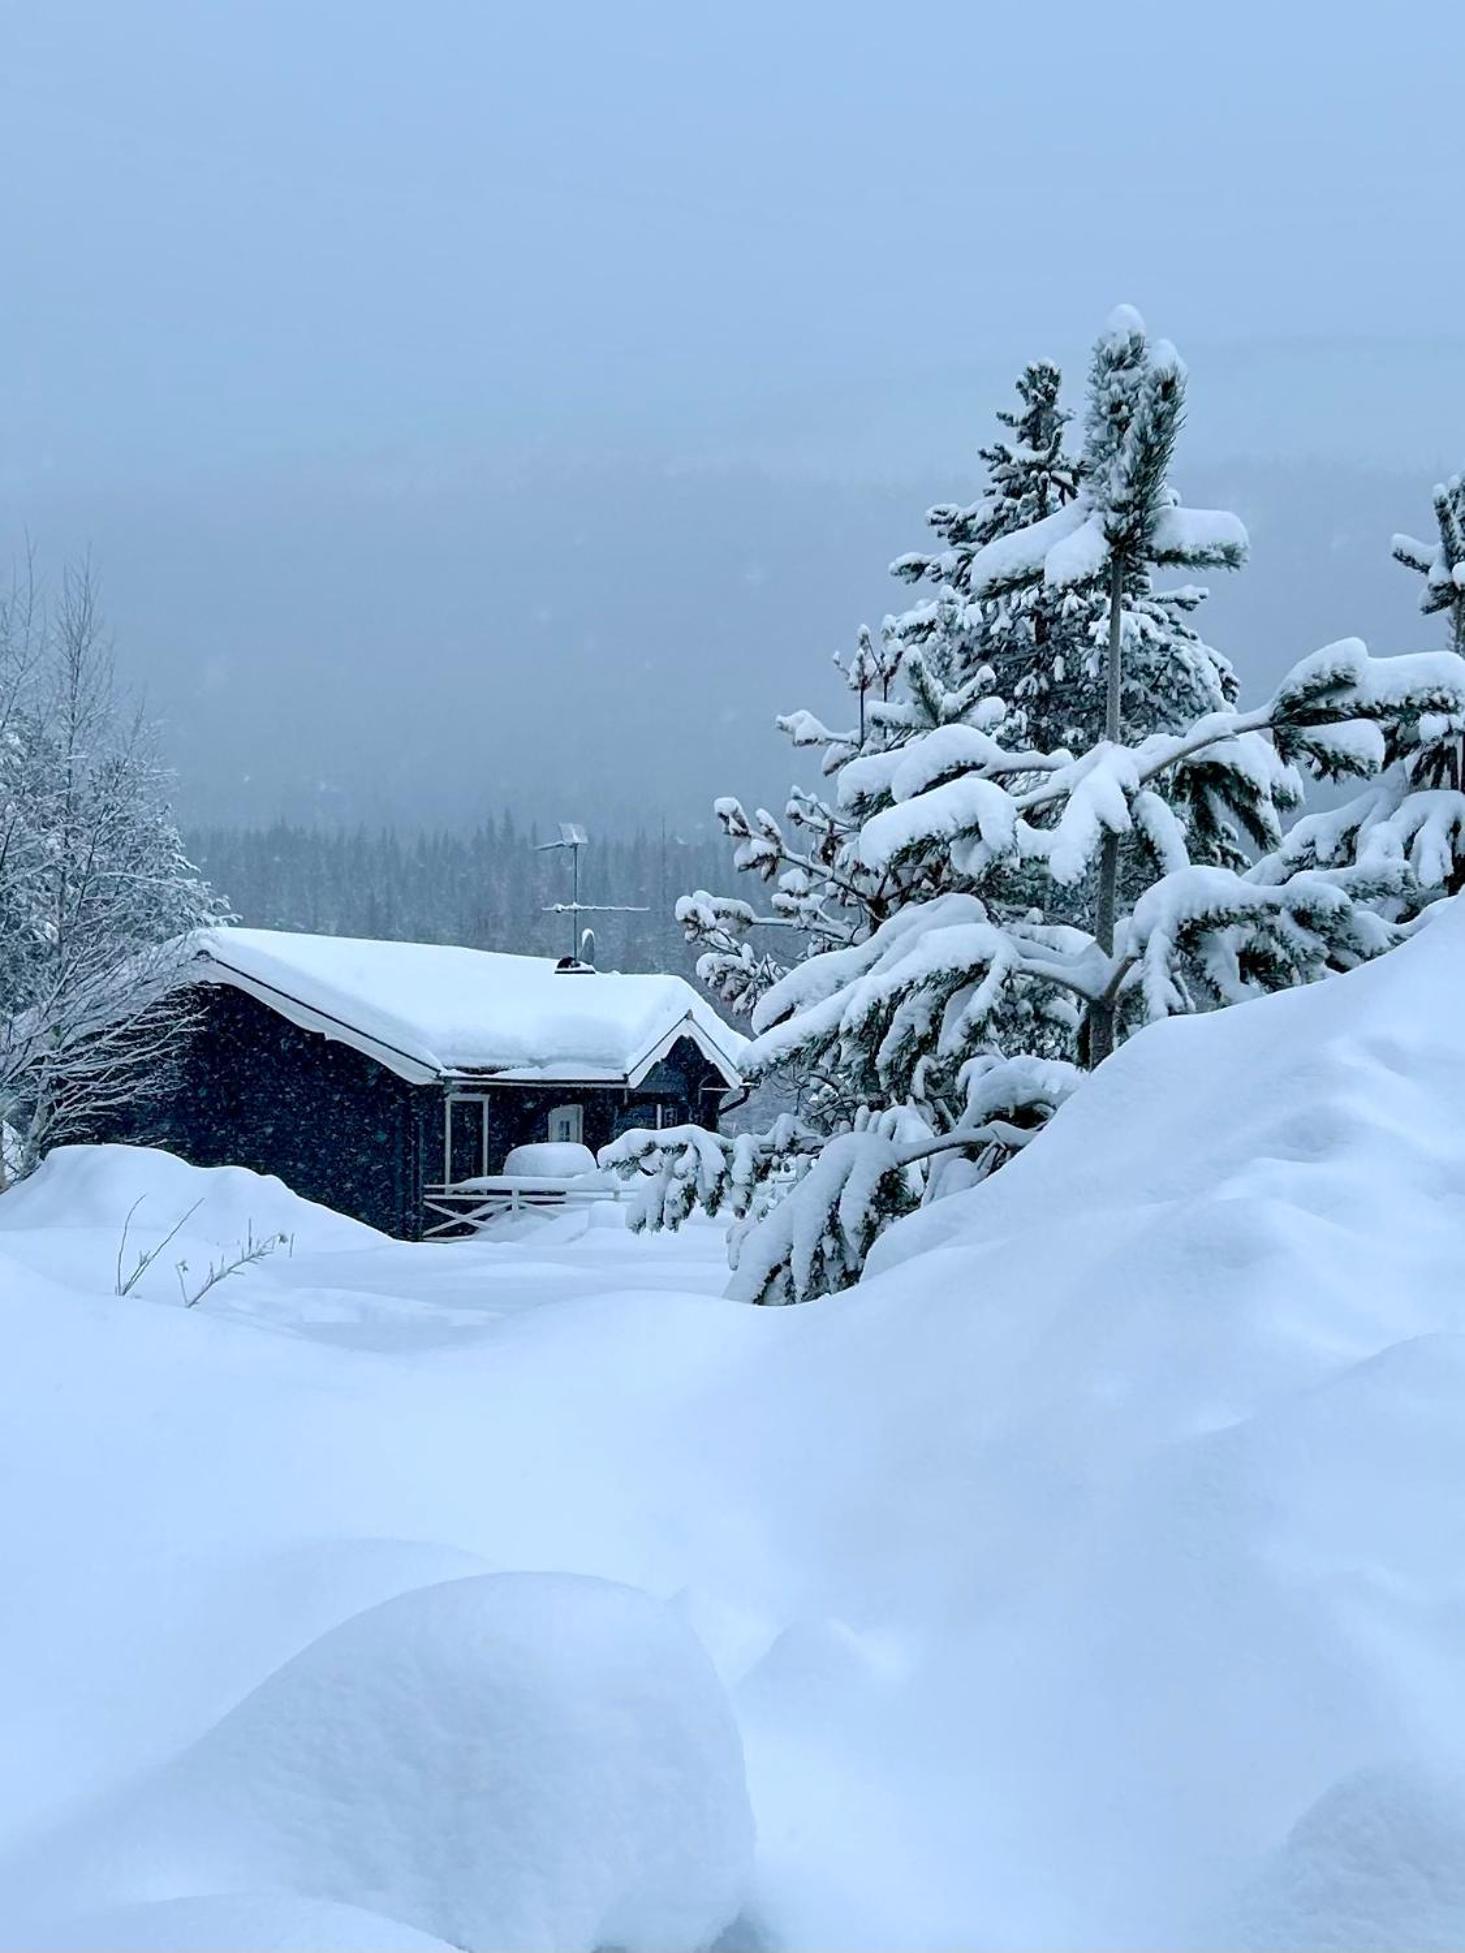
[(605, 642), (491, 407)]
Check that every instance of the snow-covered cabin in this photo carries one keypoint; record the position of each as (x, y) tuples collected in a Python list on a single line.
[(372, 1076)]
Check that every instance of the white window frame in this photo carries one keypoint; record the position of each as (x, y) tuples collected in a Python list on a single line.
[(574, 1117)]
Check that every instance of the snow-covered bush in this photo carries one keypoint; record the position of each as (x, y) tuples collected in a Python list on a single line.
[(977, 919)]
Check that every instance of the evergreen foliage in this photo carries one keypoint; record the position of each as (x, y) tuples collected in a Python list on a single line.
[(1408, 823), (975, 919), (1442, 564)]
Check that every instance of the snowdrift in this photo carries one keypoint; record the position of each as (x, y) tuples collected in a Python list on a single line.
[(1091, 1576), (516, 1761), (277, 1922), (91, 1193), (1154, 1447)]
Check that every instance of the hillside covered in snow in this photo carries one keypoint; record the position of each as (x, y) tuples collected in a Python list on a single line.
[(1089, 1576)]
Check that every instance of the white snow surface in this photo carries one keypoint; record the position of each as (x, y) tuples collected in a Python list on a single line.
[(274, 1922), (96, 1188), (441, 1009), (1090, 1576), (512, 1761)]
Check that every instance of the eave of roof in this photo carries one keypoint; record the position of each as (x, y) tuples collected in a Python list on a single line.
[(310, 1017), (418, 1069)]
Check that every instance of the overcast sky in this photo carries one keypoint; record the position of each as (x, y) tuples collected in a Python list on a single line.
[(474, 402)]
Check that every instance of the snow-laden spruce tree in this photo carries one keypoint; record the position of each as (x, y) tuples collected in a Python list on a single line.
[(1036, 650), (1045, 642), (1123, 525), (961, 656), (96, 891), (988, 917), (1409, 820), (1442, 563)]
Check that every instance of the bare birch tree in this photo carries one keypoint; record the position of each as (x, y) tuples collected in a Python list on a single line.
[(96, 893)]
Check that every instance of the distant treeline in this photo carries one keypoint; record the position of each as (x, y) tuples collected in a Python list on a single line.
[(487, 887)]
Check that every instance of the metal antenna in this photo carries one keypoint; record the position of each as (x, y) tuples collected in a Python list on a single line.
[(574, 837)]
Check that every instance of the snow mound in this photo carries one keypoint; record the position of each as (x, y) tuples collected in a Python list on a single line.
[(1088, 1577), (235, 1923), (510, 1761), (1379, 1862), (810, 1666), (100, 1186), (550, 1159), (1150, 1448)]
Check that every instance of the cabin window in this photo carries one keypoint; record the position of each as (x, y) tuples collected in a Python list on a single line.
[(566, 1124)]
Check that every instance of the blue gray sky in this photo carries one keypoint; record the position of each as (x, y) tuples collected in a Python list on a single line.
[(471, 403)]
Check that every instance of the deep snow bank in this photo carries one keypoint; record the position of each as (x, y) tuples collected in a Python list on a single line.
[(105, 1205), (1089, 1577), (235, 1922), (514, 1761), (1154, 1447)]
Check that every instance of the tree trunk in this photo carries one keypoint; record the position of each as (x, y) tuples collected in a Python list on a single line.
[(1101, 1018)]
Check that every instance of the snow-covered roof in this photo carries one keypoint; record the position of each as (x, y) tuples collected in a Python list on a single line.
[(431, 1010)]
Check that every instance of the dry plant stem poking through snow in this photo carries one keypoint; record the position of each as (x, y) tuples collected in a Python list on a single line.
[(146, 1256), (250, 1251)]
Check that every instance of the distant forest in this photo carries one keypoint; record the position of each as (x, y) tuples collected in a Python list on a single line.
[(488, 887)]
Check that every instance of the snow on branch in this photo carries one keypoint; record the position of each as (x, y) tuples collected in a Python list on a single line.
[(817, 1237), (677, 1170), (1208, 930), (957, 808), (1198, 538), (1097, 790), (1341, 681), (1008, 562)]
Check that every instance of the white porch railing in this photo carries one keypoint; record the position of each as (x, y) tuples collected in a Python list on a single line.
[(473, 1206)]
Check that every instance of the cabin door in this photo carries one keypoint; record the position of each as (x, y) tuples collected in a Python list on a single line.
[(465, 1140)]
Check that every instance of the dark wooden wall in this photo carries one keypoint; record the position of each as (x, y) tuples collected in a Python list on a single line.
[(339, 1128), (260, 1092)]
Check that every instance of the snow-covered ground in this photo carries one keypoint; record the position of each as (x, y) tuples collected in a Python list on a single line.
[(1093, 1575)]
